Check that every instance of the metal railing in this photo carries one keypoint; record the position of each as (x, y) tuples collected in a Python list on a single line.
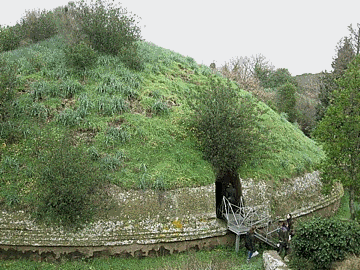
[(241, 218)]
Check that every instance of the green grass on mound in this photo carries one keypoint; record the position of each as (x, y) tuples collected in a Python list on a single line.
[(134, 123)]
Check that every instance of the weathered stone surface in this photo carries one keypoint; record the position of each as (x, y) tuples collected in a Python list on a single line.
[(272, 261), (149, 217)]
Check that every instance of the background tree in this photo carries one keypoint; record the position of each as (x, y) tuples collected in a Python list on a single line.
[(287, 100), (355, 38), (339, 131), (249, 73), (327, 85), (227, 127), (344, 55)]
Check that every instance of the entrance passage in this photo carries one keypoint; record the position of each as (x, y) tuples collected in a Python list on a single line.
[(240, 219), (226, 181)]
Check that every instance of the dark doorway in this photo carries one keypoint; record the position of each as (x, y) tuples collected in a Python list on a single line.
[(222, 182)]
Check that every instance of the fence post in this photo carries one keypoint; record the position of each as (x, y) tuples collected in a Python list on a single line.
[(237, 243)]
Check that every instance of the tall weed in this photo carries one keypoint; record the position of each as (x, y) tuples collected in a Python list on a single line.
[(111, 106), (69, 117)]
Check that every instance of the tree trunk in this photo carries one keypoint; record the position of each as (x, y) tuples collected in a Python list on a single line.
[(235, 181), (351, 204)]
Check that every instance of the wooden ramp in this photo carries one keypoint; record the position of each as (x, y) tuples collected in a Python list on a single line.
[(240, 219)]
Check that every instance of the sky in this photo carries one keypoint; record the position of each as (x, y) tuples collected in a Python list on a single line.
[(298, 35)]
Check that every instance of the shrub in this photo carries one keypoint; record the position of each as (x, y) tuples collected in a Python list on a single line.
[(10, 37), (38, 25), (80, 56), (108, 30), (323, 241), (67, 186)]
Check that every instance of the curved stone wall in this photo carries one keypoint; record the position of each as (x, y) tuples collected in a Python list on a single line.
[(156, 222)]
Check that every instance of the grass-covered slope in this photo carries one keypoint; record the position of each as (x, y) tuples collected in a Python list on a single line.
[(133, 123)]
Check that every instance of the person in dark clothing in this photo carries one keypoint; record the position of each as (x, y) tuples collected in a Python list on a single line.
[(289, 222), (249, 242), (230, 194), (283, 239)]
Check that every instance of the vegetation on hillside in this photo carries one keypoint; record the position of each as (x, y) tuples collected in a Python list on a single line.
[(336, 252), (130, 120), (339, 132), (346, 49)]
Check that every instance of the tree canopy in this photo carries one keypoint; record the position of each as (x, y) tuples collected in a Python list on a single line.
[(339, 131), (227, 127)]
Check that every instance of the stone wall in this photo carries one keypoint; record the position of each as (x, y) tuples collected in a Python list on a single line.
[(272, 261), (146, 222)]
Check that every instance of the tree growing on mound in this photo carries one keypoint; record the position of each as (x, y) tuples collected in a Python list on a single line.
[(339, 131), (68, 188), (108, 28), (227, 125)]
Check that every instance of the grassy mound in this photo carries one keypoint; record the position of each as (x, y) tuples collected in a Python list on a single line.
[(134, 124)]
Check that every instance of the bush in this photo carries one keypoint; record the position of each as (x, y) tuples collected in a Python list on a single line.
[(67, 186), (38, 25), (277, 78), (10, 37), (107, 29), (80, 56), (323, 241)]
